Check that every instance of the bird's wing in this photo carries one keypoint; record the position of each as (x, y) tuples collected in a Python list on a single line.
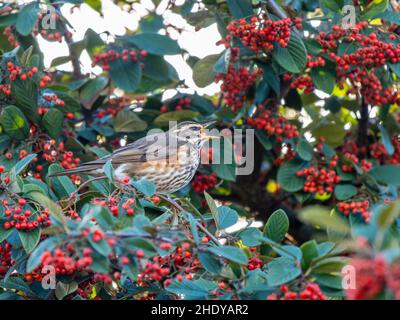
[(152, 147)]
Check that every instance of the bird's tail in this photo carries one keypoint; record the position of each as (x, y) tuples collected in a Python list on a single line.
[(85, 169)]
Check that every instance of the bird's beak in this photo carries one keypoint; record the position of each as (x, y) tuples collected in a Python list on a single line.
[(209, 135), (209, 124)]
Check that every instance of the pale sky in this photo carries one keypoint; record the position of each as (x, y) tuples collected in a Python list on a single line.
[(115, 20)]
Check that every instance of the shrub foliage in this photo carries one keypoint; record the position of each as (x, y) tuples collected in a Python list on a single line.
[(321, 96)]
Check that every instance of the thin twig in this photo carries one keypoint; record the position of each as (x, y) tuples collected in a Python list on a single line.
[(198, 224)]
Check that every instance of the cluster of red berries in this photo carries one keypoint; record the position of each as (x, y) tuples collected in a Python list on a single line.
[(303, 82), (114, 106), (235, 83), (24, 219), (359, 66), (53, 152), (370, 278), (49, 100), (5, 257), (203, 183), (11, 38), (355, 207), (51, 35), (103, 59), (159, 267), (314, 62), (365, 165), (310, 292), (65, 262), (13, 73), (274, 125), (180, 104), (55, 36), (319, 180), (380, 154), (260, 33), (255, 263), (111, 203)]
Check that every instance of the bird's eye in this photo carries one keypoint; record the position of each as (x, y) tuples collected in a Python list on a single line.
[(195, 129)]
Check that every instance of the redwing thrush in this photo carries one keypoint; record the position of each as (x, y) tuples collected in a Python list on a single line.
[(168, 159)]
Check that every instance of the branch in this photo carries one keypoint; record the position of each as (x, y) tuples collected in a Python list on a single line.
[(198, 224), (76, 65), (363, 122), (275, 9)]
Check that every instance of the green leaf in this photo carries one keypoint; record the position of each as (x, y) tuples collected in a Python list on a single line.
[(323, 217), (240, 8), (224, 164), (53, 122), (386, 141), (71, 104), (233, 254), (23, 163), (270, 77), (4, 234), (35, 257), (287, 176), (109, 170), (193, 227), (375, 8), (210, 262), (102, 246), (388, 174), (212, 205), (155, 43), (324, 79), (146, 187), (221, 65), (62, 185), (277, 226), (93, 42), (178, 115), (54, 210), (64, 289), (282, 270), (293, 58), (91, 90), (126, 74), (128, 121), (203, 71), (345, 191), (310, 252), (60, 61), (27, 18), (264, 139), (188, 288), (26, 96), (29, 239), (330, 266), (390, 16), (227, 217), (387, 215), (8, 20), (334, 5), (305, 150), (331, 281), (333, 133), (142, 244), (14, 123), (250, 237)]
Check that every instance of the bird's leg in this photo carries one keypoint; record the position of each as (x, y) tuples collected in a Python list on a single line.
[(84, 184)]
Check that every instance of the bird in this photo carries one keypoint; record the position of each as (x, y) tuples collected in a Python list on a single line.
[(168, 159)]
